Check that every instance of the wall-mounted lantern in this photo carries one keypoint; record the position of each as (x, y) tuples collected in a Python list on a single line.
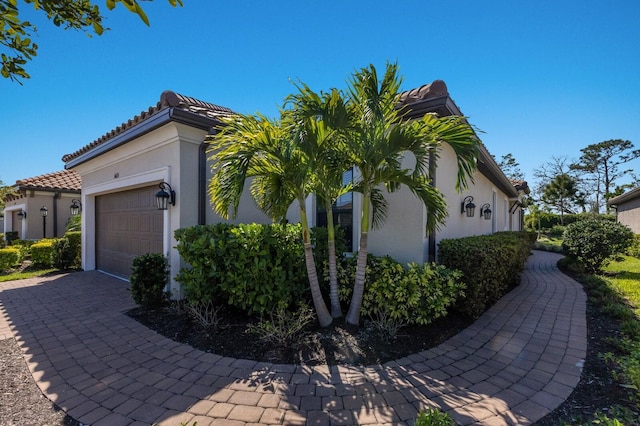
[(75, 207), (22, 215), (1, 215), (165, 196), (485, 211), (468, 206)]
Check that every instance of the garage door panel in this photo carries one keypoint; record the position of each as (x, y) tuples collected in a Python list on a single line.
[(128, 224)]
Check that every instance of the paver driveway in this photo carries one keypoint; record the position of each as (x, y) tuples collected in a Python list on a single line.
[(518, 362)]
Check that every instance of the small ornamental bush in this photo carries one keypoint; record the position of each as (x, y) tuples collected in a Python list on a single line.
[(43, 253), (433, 417), (282, 327), (63, 256), (149, 277), (417, 294), (9, 258), (594, 241), (634, 248), (3, 242), (75, 247)]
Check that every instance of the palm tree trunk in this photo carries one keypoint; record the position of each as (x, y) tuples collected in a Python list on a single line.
[(353, 316), (336, 310), (324, 317)]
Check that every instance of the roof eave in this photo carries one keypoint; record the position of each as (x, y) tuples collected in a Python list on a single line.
[(153, 122), (489, 168), (627, 196)]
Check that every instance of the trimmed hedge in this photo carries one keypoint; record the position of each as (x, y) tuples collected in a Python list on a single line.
[(416, 294), (43, 253), (9, 258), (10, 237), (3, 242), (549, 220), (490, 264), (251, 267)]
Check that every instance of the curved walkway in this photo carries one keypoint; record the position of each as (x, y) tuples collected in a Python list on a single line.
[(514, 365)]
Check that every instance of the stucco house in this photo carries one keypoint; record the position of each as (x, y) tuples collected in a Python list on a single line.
[(627, 208), (163, 149), (40, 206)]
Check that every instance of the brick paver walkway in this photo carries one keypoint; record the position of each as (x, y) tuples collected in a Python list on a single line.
[(518, 362)]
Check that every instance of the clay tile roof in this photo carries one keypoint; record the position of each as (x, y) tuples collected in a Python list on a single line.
[(62, 180), (520, 185), (168, 99), (436, 89)]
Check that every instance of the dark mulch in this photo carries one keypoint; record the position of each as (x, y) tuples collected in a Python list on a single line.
[(340, 343), (21, 402)]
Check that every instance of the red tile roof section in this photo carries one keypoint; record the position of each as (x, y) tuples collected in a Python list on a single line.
[(168, 99), (62, 180), (436, 89)]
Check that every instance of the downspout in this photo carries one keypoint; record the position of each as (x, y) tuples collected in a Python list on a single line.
[(55, 214), (431, 243), (202, 184)]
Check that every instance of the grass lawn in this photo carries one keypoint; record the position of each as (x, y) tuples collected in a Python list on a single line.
[(24, 274), (625, 279)]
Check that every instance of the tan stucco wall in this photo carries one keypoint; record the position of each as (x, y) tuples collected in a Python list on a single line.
[(628, 213), (31, 228)]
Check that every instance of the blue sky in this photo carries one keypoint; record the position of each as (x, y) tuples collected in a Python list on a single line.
[(539, 78)]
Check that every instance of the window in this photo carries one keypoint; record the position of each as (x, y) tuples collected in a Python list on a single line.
[(342, 212)]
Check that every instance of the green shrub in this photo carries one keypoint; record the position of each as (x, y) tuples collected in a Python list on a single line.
[(10, 237), (63, 255), (319, 239), (252, 267), (417, 294), (75, 247), (549, 220), (74, 224), (3, 242), (594, 241), (634, 248), (149, 278), (491, 265), (9, 258), (43, 253), (433, 417)]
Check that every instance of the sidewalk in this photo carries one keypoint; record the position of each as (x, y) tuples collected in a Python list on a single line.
[(514, 365)]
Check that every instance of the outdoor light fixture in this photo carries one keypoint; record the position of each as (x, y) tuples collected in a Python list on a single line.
[(44, 212), (163, 197), (75, 207), (1, 215), (469, 207), (485, 211), (22, 214)]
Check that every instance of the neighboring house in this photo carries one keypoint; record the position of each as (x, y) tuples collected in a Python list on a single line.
[(51, 194), (122, 171), (627, 208)]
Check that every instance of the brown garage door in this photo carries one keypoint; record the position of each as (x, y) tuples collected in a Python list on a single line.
[(128, 224)]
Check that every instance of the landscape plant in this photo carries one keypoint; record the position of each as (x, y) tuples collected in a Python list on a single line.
[(9, 258), (594, 241), (149, 278), (377, 137), (282, 327), (43, 253)]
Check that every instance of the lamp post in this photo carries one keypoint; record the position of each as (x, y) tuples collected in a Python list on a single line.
[(44, 212)]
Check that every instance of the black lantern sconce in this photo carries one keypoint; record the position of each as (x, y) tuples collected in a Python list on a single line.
[(44, 212), (1, 215), (468, 206), (165, 196), (75, 207), (485, 211), (22, 215)]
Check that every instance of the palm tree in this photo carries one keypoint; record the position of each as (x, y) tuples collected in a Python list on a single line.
[(319, 117), (377, 137), (268, 153)]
